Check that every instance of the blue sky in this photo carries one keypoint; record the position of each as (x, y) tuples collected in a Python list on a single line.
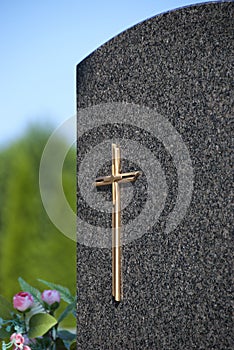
[(41, 43)]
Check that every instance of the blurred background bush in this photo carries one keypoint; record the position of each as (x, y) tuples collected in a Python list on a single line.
[(30, 245)]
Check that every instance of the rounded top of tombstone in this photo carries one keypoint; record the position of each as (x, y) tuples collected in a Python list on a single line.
[(172, 21)]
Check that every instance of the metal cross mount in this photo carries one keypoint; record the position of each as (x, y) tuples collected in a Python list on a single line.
[(115, 179)]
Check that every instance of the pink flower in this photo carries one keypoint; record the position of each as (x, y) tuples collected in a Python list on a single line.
[(23, 301), (50, 297), (18, 340)]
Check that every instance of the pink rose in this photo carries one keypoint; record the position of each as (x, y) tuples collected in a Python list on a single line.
[(50, 297), (17, 339), (23, 301)]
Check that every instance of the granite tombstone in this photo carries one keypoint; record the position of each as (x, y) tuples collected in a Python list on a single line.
[(162, 91)]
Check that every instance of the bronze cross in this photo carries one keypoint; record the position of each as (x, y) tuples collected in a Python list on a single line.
[(115, 179)]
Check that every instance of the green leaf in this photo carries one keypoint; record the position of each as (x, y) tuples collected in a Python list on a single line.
[(64, 292), (5, 309), (27, 288), (69, 309), (73, 346), (66, 335), (39, 324)]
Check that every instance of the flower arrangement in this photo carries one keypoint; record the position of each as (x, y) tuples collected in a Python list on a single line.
[(30, 323)]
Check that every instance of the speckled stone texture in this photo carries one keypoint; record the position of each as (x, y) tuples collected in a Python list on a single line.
[(177, 285)]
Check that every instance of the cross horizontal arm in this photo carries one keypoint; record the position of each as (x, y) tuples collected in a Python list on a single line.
[(129, 177), (106, 180), (121, 178)]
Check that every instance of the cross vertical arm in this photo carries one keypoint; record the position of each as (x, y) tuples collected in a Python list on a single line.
[(115, 180), (116, 225)]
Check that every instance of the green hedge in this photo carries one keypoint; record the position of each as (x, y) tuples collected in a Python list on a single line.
[(30, 245)]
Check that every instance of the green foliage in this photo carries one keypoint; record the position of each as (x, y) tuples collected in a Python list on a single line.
[(4, 334), (73, 346), (66, 335), (39, 324), (30, 245), (69, 309), (6, 313), (6, 309), (64, 292)]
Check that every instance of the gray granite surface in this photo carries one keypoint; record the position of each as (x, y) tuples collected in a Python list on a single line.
[(176, 282)]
